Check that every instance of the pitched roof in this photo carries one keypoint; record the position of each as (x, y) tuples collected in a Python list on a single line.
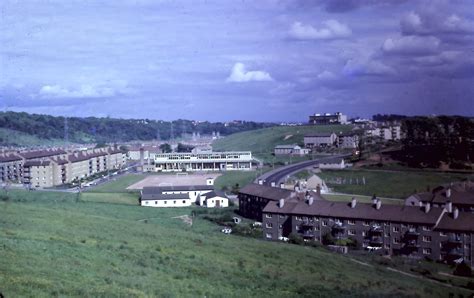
[(36, 163), (464, 222), (319, 134), (362, 211), (160, 196), (41, 153), (160, 189), (267, 192), (9, 157)]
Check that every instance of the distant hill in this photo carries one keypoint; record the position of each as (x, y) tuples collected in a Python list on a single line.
[(23, 129)]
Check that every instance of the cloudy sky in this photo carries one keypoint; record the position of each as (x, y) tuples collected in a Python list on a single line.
[(221, 60)]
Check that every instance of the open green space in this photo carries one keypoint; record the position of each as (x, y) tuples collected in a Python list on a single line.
[(390, 184), (230, 178), (262, 141), (55, 245), (362, 199), (118, 184)]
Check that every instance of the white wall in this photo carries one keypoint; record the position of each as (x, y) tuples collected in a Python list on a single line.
[(167, 203), (211, 202)]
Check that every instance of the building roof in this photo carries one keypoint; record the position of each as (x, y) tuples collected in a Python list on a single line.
[(214, 194), (267, 192), (364, 211), (36, 163), (160, 189), (41, 153), (319, 134), (464, 222), (9, 157), (462, 193), (161, 196), (292, 146)]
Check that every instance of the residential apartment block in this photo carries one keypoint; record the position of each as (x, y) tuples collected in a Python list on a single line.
[(331, 139), (445, 234), (52, 167), (328, 118)]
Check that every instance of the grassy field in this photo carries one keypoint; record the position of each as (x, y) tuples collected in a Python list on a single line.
[(8, 136), (262, 141), (363, 199), (119, 184), (230, 178), (391, 184), (54, 245)]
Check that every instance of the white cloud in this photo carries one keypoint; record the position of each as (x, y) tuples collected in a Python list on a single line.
[(367, 67), (435, 23), (326, 76), (239, 74), (84, 91), (411, 45), (332, 30)]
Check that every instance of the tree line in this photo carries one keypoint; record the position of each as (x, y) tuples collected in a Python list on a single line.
[(93, 129)]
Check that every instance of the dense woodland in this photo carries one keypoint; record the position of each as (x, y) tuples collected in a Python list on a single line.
[(430, 140), (92, 129)]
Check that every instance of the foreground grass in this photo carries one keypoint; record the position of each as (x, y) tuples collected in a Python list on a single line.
[(387, 183), (52, 245), (262, 141)]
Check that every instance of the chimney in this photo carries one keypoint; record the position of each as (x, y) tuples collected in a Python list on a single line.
[(448, 192), (310, 200), (378, 204), (282, 185), (449, 207), (456, 213), (260, 181), (282, 203), (427, 207), (297, 188), (353, 203), (318, 190), (374, 199), (272, 183)]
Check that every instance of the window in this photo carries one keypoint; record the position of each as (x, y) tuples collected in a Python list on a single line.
[(166, 202), (426, 251), (338, 221), (146, 202), (268, 215), (364, 233), (387, 246), (325, 223), (396, 229), (184, 201), (426, 228), (268, 235), (269, 225), (156, 202), (351, 222), (366, 223), (386, 234), (426, 238), (281, 216), (280, 227), (351, 232), (316, 228), (298, 217), (396, 240), (443, 234), (174, 202)]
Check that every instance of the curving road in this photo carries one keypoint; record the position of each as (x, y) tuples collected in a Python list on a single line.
[(278, 175)]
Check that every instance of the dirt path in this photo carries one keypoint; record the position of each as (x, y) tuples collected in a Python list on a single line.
[(186, 219)]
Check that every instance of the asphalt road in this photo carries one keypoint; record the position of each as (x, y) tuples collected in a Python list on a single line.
[(277, 176)]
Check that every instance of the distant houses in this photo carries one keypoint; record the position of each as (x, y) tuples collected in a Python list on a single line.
[(332, 140), (328, 118), (290, 150)]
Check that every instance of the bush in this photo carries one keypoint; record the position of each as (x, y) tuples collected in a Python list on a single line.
[(463, 269), (295, 239), (4, 198), (328, 239)]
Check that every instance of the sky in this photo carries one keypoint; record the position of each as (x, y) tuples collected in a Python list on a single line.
[(222, 60)]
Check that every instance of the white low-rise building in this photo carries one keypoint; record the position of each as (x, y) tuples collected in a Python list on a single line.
[(213, 200), (210, 161)]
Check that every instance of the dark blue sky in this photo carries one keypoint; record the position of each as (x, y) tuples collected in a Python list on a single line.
[(222, 60)]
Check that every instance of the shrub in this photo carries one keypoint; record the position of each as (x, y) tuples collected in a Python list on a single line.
[(4, 198), (328, 239), (463, 269), (295, 238)]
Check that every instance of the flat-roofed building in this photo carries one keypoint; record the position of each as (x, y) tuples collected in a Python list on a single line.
[(328, 118), (215, 161)]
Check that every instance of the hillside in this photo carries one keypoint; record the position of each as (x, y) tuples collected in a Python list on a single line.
[(54, 245), (262, 141), (34, 129)]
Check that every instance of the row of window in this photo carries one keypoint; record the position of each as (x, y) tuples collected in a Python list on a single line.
[(165, 202)]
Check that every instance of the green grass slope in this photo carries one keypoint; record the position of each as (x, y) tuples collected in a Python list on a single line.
[(54, 245), (262, 141), (18, 138), (391, 184)]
